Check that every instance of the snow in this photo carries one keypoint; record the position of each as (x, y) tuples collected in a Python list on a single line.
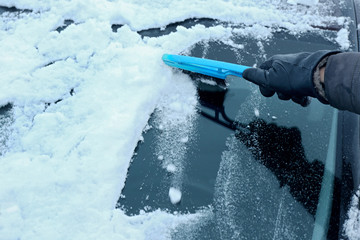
[(171, 168), (304, 2), (176, 112), (352, 224), (209, 82), (82, 97), (343, 39), (175, 195)]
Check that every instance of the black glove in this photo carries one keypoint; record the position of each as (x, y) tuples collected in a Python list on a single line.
[(289, 75)]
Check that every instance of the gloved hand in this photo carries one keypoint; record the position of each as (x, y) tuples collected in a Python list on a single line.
[(289, 75)]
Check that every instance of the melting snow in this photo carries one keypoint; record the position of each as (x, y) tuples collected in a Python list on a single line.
[(175, 195), (256, 112), (171, 168)]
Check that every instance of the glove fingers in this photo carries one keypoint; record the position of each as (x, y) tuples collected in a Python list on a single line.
[(258, 76), (303, 101), (283, 96), (266, 92), (255, 75), (267, 64)]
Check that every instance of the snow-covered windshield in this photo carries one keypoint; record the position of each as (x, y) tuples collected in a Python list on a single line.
[(262, 179), (80, 81)]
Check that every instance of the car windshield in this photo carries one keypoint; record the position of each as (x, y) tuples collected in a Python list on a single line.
[(101, 139), (262, 178)]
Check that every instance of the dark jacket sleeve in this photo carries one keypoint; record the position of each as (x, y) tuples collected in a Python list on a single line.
[(342, 81)]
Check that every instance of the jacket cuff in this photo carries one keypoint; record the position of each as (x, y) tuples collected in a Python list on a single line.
[(342, 84), (316, 59), (320, 86)]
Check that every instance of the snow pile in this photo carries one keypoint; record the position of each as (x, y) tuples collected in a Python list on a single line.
[(343, 39), (352, 224), (149, 14), (81, 98), (176, 117)]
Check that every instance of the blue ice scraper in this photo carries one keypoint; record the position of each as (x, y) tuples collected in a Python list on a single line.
[(203, 66), (213, 70)]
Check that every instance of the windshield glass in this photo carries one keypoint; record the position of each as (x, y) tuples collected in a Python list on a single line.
[(261, 179)]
